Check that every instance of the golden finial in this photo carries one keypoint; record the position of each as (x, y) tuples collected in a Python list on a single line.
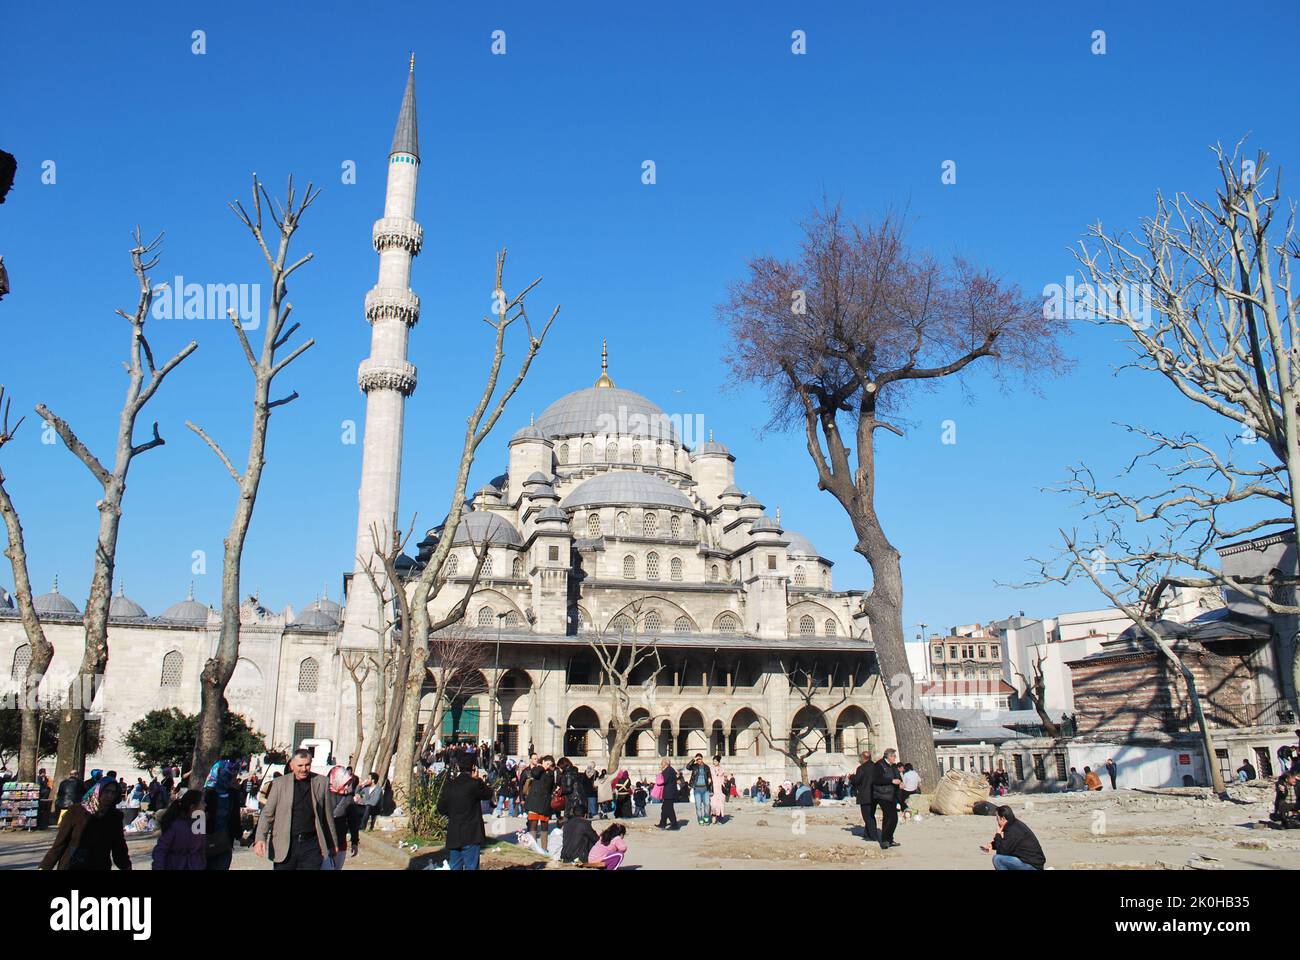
[(604, 380), (413, 61)]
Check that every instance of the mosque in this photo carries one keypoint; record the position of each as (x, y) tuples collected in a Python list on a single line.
[(605, 521)]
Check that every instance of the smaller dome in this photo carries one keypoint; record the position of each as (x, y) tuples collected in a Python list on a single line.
[(529, 432), (553, 513), (487, 490), (188, 610), (710, 448), (315, 619), (765, 524), (800, 546), (480, 525), (55, 603), (537, 477), (122, 606), (732, 491), (326, 606), (751, 501)]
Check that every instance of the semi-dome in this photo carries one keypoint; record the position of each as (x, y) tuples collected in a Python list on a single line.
[(606, 410), (800, 546), (55, 603), (478, 526), (627, 487)]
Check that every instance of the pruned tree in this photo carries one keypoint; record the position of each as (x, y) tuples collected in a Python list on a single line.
[(358, 664), (842, 336), (806, 735), (509, 310), (1205, 297), (42, 651), (1037, 694), (622, 652), (144, 377), (265, 366)]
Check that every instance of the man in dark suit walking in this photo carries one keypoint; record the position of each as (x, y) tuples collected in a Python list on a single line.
[(884, 793), (668, 814), (862, 780)]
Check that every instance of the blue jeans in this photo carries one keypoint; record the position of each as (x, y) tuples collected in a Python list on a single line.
[(465, 858), (591, 808), (1001, 862), (701, 795)]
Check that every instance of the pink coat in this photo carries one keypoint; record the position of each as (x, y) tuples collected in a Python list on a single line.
[(718, 799)]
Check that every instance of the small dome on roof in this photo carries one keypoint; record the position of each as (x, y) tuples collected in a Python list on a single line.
[(121, 606), (537, 477), (188, 610), (55, 602), (553, 513), (628, 487), (751, 501), (711, 448), (478, 526), (315, 618), (326, 606), (765, 524), (800, 546), (732, 491), (529, 432), (487, 490)]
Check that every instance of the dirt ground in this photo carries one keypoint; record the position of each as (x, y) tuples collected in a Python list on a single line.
[(1184, 828)]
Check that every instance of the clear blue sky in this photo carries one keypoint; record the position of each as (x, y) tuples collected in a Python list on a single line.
[(541, 150)]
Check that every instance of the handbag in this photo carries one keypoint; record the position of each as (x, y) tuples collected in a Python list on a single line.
[(557, 799)]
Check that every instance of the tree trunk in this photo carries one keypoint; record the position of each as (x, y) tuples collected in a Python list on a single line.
[(403, 775)]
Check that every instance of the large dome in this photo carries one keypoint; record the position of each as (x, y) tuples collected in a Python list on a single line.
[(606, 410), (627, 487)]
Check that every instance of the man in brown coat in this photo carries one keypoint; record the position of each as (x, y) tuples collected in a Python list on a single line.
[(298, 818)]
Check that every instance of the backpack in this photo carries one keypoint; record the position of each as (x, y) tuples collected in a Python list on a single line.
[(339, 780)]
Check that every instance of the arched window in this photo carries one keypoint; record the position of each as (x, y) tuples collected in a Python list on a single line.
[(800, 578), (22, 657), (622, 625), (728, 624), (713, 573), (832, 629), (171, 670), (593, 524), (563, 455), (652, 566), (511, 619), (826, 579), (675, 526), (588, 453), (449, 568), (652, 622), (308, 675), (650, 524), (636, 453), (621, 522), (807, 626), (517, 568), (485, 616), (611, 452), (675, 568), (681, 625), (629, 567)]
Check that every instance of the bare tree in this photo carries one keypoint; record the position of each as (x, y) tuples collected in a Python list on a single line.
[(1204, 294), (42, 651), (358, 664), (1037, 693), (144, 378), (622, 652), (265, 367), (509, 310), (845, 333), (454, 666), (807, 735)]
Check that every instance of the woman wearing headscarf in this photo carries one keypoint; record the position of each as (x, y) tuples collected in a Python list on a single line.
[(221, 804), (622, 794), (90, 836)]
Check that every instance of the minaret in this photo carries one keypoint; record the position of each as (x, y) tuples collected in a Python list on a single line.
[(385, 377)]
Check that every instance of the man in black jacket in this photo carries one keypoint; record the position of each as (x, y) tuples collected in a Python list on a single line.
[(69, 795), (461, 803), (667, 813), (1015, 847), (862, 779), (884, 794)]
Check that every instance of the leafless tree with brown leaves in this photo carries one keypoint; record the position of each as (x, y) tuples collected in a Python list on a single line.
[(144, 378), (265, 367), (41, 649), (843, 335)]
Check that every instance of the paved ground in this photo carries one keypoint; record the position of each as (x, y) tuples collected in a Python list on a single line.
[(1129, 829)]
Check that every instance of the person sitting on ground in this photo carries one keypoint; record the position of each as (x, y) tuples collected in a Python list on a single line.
[(1090, 779), (578, 837), (804, 796), (1246, 772), (1014, 847), (785, 795), (1074, 782), (610, 848), (1286, 804)]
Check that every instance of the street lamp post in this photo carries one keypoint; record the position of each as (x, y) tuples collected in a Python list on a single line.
[(492, 692)]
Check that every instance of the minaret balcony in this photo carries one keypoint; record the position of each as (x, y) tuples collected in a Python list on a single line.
[(400, 232), (397, 375), (392, 303)]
